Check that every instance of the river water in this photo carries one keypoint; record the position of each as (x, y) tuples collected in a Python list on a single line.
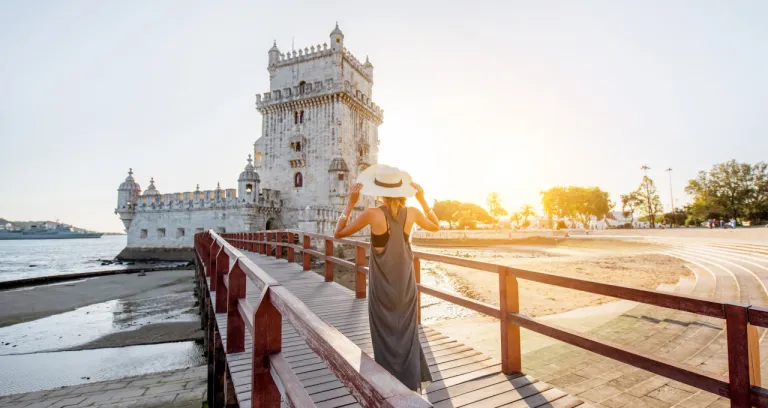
[(43, 257), (28, 357)]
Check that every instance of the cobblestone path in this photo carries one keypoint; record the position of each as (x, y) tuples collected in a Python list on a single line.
[(173, 389)]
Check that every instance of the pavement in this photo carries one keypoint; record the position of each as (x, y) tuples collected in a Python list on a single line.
[(173, 389), (724, 270)]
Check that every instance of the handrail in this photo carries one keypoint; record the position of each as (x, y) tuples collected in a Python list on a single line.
[(743, 385), (228, 268)]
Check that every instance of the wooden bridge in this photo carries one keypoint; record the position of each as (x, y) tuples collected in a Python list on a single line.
[(278, 334)]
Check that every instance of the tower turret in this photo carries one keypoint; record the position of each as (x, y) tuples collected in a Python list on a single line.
[(274, 57), (127, 198), (337, 39), (248, 184)]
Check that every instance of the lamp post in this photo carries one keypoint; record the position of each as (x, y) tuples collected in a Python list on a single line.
[(671, 198)]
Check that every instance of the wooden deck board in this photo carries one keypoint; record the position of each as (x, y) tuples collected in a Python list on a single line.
[(462, 376)]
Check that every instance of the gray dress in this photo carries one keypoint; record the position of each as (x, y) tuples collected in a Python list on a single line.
[(392, 308)]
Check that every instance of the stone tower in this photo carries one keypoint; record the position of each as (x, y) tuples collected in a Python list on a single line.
[(248, 184), (127, 198), (319, 130)]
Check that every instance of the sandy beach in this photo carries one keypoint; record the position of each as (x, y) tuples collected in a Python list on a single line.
[(634, 263), (108, 311)]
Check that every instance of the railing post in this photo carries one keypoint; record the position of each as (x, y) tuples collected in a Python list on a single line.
[(417, 275), (235, 323), (222, 268), (270, 237), (509, 302), (267, 339), (328, 263), (738, 354), (219, 370), (359, 276), (291, 253), (253, 242), (755, 377), (278, 247), (307, 258)]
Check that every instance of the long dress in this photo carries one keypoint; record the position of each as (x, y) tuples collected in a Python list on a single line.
[(392, 308)]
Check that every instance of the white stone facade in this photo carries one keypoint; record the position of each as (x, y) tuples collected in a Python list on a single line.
[(319, 131)]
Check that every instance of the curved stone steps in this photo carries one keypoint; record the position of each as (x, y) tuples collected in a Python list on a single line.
[(698, 343)]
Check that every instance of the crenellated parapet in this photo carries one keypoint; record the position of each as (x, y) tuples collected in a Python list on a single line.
[(306, 54), (200, 200), (317, 92)]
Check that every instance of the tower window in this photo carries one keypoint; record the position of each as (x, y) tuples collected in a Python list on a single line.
[(301, 86), (298, 146), (301, 117), (179, 232), (298, 180), (143, 233), (295, 117), (341, 176), (161, 232), (249, 188), (258, 156)]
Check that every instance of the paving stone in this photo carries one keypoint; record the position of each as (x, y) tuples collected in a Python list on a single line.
[(698, 400), (647, 386), (669, 394), (600, 393), (621, 400)]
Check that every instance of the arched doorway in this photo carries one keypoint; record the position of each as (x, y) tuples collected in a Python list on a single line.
[(271, 224)]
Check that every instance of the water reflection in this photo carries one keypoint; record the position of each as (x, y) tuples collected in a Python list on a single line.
[(91, 322), (42, 371)]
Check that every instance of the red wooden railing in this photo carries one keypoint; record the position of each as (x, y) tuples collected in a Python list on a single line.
[(741, 385), (228, 268)]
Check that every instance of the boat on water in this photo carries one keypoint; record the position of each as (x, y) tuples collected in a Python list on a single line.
[(58, 231)]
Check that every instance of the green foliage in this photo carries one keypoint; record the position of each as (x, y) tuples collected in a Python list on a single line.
[(474, 210), (447, 210), (494, 206), (561, 225), (467, 221), (647, 200), (575, 202), (731, 189)]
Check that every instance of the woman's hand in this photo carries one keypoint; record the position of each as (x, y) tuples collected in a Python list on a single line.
[(419, 191), (354, 194)]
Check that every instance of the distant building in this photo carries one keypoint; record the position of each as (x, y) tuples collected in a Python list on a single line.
[(319, 131)]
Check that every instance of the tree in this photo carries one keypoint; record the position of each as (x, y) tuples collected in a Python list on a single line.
[(629, 201), (576, 202), (731, 189), (648, 200), (494, 206), (516, 217), (477, 212), (447, 210), (526, 211)]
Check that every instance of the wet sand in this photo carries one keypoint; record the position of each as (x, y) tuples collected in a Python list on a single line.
[(108, 311)]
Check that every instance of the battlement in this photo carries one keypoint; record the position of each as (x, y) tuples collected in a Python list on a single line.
[(365, 69), (190, 200), (318, 88), (308, 53)]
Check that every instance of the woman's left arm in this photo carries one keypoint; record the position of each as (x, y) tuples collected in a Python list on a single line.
[(430, 222), (345, 228)]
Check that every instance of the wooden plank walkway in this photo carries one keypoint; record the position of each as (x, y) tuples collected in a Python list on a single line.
[(463, 377)]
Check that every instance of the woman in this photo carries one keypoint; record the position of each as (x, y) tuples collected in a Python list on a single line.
[(392, 306)]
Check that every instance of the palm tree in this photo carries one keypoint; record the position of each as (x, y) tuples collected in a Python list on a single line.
[(494, 206), (526, 211)]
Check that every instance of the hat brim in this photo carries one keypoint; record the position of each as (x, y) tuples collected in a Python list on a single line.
[(370, 188)]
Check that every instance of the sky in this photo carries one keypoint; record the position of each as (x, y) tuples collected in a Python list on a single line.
[(506, 96)]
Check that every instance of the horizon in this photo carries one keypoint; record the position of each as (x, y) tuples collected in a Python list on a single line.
[(512, 98)]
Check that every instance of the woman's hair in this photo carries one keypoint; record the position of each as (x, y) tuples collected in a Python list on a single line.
[(393, 204)]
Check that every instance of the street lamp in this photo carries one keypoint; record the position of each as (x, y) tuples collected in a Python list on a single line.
[(671, 198)]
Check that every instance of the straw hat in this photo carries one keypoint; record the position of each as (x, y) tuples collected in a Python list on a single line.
[(381, 180)]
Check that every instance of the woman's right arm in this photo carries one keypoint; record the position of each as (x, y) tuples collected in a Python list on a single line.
[(343, 229)]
